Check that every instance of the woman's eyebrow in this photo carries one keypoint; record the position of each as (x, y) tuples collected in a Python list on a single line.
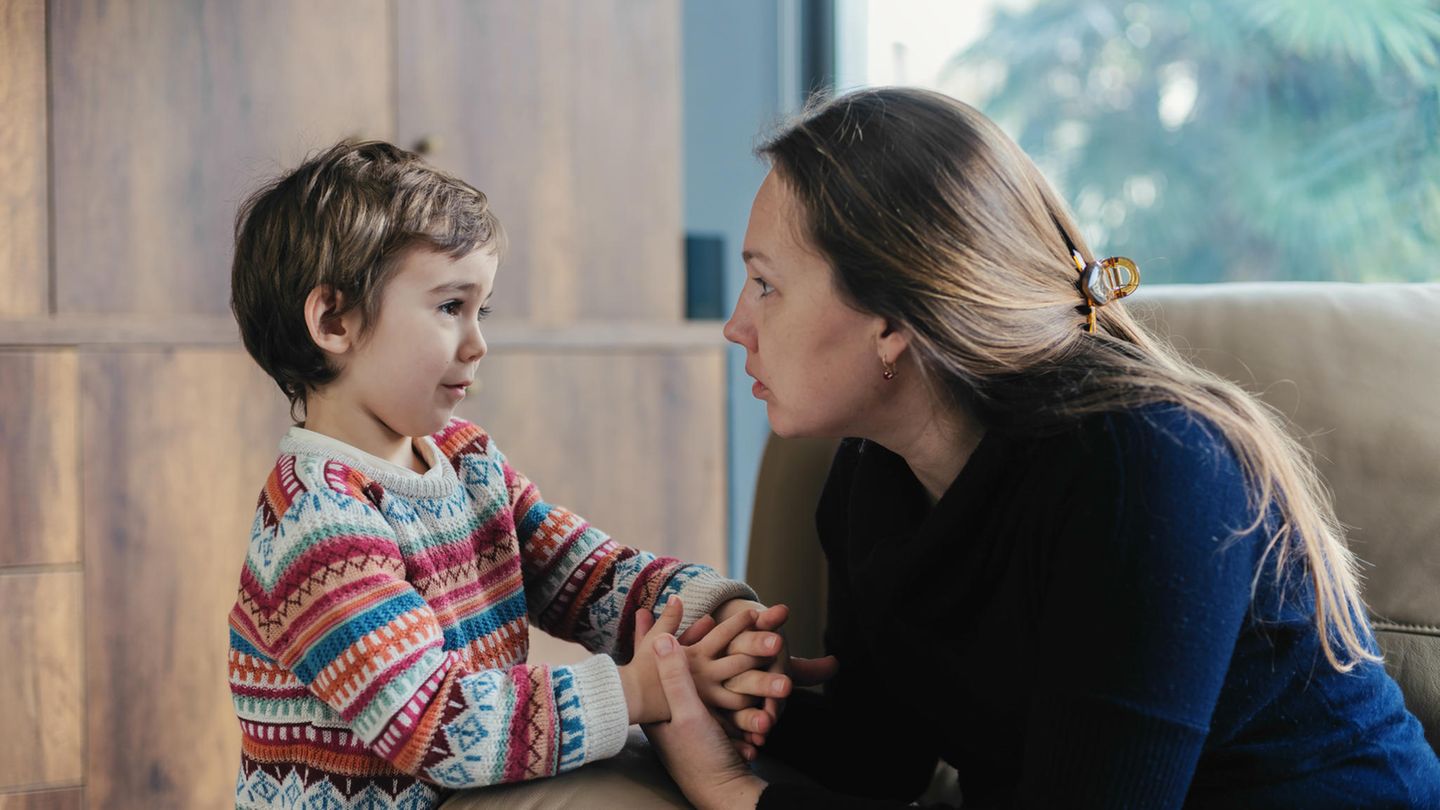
[(748, 255)]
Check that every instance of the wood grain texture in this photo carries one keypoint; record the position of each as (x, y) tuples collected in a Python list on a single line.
[(176, 449), (39, 464), (62, 799), (166, 115), (220, 331), (24, 253), (567, 114), (40, 700)]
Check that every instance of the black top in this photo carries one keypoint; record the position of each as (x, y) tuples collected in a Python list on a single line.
[(1072, 625)]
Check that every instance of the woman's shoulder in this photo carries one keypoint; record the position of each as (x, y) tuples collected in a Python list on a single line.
[(1166, 483), (1161, 445)]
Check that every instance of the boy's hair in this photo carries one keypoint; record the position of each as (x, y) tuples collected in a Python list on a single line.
[(343, 220)]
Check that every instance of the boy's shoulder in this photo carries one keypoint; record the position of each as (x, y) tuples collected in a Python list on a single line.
[(296, 476), (460, 438)]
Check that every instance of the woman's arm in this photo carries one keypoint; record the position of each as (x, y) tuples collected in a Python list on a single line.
[(702, 762), (1149, 589)]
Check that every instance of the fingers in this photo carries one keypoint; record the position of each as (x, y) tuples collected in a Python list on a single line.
[(722, 698), (732, 731), (759, 683), (675, 678), (772, 617), (813, 671), (746, 750), (715, 642), (723, 669), (752, 721), (669, 620), (758, 644), (643, 622), (698, 630)]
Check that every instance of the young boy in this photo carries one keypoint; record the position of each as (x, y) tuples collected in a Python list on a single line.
[(378, 644)]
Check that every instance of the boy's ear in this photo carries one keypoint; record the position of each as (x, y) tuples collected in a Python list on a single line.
[(330, 331)]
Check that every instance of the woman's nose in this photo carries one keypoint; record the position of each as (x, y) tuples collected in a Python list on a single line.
[(738, 329)]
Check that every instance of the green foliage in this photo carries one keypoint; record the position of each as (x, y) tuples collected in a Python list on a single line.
[(1231, 139)]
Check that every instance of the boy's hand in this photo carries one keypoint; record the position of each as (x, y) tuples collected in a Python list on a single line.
[(766, 642), (710, 665), (644, 698)]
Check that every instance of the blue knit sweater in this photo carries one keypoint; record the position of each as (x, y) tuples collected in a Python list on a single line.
[(1073, 625)]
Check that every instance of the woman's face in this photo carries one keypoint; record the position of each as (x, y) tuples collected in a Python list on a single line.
[(815, 360)]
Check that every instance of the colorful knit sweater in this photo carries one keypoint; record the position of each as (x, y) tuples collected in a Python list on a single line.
[(378, 644)]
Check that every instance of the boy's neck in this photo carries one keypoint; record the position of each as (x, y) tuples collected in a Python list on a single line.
[(363, 432)]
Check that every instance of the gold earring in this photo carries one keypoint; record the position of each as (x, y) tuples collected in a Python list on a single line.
[(888, 369)]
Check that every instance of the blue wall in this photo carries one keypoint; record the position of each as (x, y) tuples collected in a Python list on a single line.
[(733, 63)]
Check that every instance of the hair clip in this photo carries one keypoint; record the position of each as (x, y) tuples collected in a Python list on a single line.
[(1100, 282)]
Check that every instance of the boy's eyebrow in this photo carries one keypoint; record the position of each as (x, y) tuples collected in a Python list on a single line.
[(454, 286)]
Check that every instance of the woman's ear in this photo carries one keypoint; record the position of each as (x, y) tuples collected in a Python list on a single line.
[(332, 332), (892, 341)]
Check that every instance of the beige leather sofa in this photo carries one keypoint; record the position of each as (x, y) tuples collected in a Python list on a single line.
[(1356, 367)]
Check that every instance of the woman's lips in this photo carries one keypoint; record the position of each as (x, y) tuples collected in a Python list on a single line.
[(758, 389)]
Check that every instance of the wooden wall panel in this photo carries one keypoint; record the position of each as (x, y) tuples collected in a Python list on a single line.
[(39, 458), (176, 448), (634, 441), (567, 114), (167, 114), (24, 254), (40, 698), (68, 799)]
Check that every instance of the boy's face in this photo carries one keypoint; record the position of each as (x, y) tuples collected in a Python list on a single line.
[(412, 367)]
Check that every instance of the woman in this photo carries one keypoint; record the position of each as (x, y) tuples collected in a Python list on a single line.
[(1062, 559)]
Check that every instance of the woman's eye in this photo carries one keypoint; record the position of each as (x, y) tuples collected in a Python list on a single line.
[(451, 307), (762, 284)]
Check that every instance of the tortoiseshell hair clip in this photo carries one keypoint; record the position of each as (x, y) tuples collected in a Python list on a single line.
[(1100, 282)]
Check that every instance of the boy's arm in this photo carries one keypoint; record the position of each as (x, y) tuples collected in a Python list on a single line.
[(325, 595), (583, 586)]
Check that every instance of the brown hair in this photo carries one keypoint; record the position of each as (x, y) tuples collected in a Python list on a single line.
[(934, 219), (342, 219)]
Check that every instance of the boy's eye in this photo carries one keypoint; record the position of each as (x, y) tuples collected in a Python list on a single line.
[(482, 314), (451, 307)]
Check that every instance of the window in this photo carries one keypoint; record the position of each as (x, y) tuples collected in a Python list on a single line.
[(1209, 140)]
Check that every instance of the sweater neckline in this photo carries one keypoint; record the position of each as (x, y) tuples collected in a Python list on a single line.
[(438, 481)]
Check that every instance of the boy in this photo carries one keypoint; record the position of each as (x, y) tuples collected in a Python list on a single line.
[(378, 643)]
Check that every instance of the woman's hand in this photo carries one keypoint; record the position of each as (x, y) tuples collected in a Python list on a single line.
[(692, 746)]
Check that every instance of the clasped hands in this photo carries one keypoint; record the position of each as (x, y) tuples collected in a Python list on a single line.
[(738, 660)]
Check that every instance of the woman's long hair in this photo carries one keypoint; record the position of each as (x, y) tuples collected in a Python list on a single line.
[(936, 220)]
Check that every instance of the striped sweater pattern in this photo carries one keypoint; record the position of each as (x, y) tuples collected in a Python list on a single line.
[(378, 642)]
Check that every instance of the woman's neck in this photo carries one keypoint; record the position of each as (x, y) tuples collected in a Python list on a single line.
[(935, 442)]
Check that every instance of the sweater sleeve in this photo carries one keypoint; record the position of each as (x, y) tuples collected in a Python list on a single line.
[(582, 586), (1147, 593), (324, 595)]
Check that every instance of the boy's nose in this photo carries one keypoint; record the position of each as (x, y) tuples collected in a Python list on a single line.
[(475, 347)]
